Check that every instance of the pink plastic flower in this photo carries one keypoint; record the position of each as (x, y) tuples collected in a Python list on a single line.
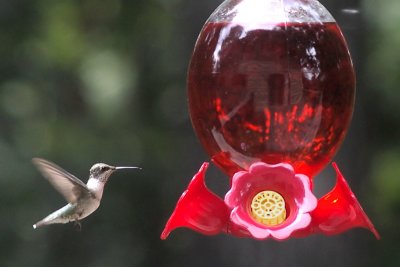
[(294, 188)]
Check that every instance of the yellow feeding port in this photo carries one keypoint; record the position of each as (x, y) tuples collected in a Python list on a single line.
[(268, 208)]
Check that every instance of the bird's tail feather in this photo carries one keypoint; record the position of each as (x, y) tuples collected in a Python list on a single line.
[(50, 219), (39, 224)]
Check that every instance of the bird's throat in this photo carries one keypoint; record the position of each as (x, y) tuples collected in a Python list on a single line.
[(95, 186)]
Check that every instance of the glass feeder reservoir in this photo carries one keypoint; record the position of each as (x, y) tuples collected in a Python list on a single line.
[(271, 81)]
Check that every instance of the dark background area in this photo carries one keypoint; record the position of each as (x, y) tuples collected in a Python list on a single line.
[(104, 81)]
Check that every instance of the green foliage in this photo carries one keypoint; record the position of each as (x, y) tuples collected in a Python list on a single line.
[(85, 81), (386, 170), (383, 61)]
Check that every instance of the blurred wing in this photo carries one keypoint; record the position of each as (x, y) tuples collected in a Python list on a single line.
[(65, 183)]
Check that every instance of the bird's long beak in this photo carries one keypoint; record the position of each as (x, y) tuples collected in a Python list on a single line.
[(126, 167)]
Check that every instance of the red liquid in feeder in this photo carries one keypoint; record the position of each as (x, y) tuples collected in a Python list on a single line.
[(278, 93)]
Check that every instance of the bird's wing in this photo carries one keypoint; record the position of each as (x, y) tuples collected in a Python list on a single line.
[(67, 184)]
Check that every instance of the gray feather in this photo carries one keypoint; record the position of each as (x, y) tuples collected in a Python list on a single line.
[(70, 187)]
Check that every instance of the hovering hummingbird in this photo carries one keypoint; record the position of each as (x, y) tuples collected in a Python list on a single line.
[(83, 199)]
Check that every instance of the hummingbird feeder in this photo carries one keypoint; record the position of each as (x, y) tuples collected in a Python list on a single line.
[(271, 89)]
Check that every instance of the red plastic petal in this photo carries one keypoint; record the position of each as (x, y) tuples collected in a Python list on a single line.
[(338, 211), (198, 209), (236, 230)]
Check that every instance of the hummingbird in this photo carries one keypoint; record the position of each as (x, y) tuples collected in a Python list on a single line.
[(83, 199)]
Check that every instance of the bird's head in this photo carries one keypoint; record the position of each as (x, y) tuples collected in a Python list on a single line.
[(102, 171)]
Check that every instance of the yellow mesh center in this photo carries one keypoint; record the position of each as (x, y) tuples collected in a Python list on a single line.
[(268, 207)]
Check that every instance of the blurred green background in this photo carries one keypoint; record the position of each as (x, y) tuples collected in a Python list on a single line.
[(104, 81)]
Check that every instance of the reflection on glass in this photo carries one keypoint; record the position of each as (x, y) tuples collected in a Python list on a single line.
[(271, 91)]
